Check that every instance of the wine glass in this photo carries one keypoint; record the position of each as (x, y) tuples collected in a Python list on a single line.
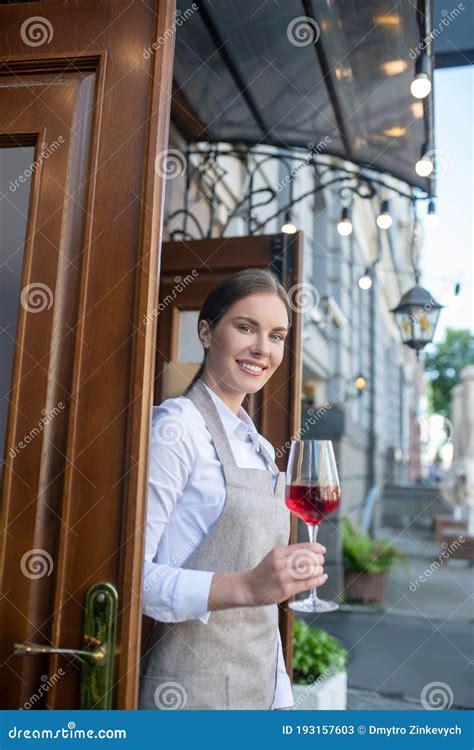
[(312, 491)]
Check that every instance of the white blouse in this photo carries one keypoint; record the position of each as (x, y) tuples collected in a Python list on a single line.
[(186, 494)]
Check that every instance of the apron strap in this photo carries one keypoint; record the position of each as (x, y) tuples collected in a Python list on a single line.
[(205, 405), (271, 463)]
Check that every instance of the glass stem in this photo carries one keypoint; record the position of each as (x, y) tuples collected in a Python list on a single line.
[(313, 535)]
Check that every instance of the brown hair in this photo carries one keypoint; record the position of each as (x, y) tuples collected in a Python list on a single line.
[(230, 290)]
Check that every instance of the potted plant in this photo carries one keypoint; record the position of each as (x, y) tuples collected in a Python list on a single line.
[(319, 669), (366, 563)]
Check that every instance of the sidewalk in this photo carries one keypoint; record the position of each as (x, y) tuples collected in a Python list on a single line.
[(422, 634), (365, 700), (448, 589)]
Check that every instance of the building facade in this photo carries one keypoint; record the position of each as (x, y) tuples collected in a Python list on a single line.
[(347, 331)]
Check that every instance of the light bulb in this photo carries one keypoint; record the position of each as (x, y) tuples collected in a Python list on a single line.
[(288, 226), (424, 166), (344, 227), (420, 86), (365, 282), (456, 298), (384, 220), (431, 221), (431, 218), (360, 383)]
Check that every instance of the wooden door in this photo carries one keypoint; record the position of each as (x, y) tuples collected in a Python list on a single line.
[(189, 270), (86, 86)]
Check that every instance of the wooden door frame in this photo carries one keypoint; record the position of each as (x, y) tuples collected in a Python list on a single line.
[(126, 259), (228, 255)]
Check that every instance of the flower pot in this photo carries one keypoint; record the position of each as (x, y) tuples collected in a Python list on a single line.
[(327, 693), (365, 587)]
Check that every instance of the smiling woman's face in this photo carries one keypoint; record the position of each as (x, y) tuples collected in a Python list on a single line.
[(247, 345)]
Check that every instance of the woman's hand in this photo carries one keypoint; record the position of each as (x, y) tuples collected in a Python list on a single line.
[(284, 572)]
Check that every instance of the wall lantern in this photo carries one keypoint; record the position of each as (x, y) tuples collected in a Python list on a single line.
[(417, 315)]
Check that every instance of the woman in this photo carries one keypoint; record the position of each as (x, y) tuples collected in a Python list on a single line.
[(217, 559)]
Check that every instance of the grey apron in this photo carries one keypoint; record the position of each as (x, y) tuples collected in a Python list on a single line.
[(231, 661)]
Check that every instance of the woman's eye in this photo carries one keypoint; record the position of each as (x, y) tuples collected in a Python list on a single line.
[(276, 336)]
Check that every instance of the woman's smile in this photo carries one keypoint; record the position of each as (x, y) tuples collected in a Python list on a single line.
[(251, 368)]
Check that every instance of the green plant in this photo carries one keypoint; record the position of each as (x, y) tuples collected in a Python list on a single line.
[(443, 363), (315, 653), (362, 552)]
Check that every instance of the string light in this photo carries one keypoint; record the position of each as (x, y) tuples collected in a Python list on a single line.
[(288, 226), (421, 84), (344, 227), (365, 281), (424, 166), (360, 383), (384, 219), (431, 218), (456, 299)]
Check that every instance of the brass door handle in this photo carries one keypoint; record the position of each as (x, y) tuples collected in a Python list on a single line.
[(90, 657), (97, 656)]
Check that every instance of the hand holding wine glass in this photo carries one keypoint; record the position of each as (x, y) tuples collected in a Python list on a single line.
[(312, 491)]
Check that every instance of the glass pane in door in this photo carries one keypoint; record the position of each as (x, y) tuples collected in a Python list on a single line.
[(15, 186), (189, 347), (178, 373)]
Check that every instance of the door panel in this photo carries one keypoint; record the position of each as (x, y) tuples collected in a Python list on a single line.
[(94, 106), (189, 270)]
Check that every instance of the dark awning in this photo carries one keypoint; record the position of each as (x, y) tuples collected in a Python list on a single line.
[(243, 74)]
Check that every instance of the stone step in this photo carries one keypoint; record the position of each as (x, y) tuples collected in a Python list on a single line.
[(412, 504)]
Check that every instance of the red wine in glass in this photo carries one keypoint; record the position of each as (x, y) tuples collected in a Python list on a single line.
[(312, 504), (312, 492)]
